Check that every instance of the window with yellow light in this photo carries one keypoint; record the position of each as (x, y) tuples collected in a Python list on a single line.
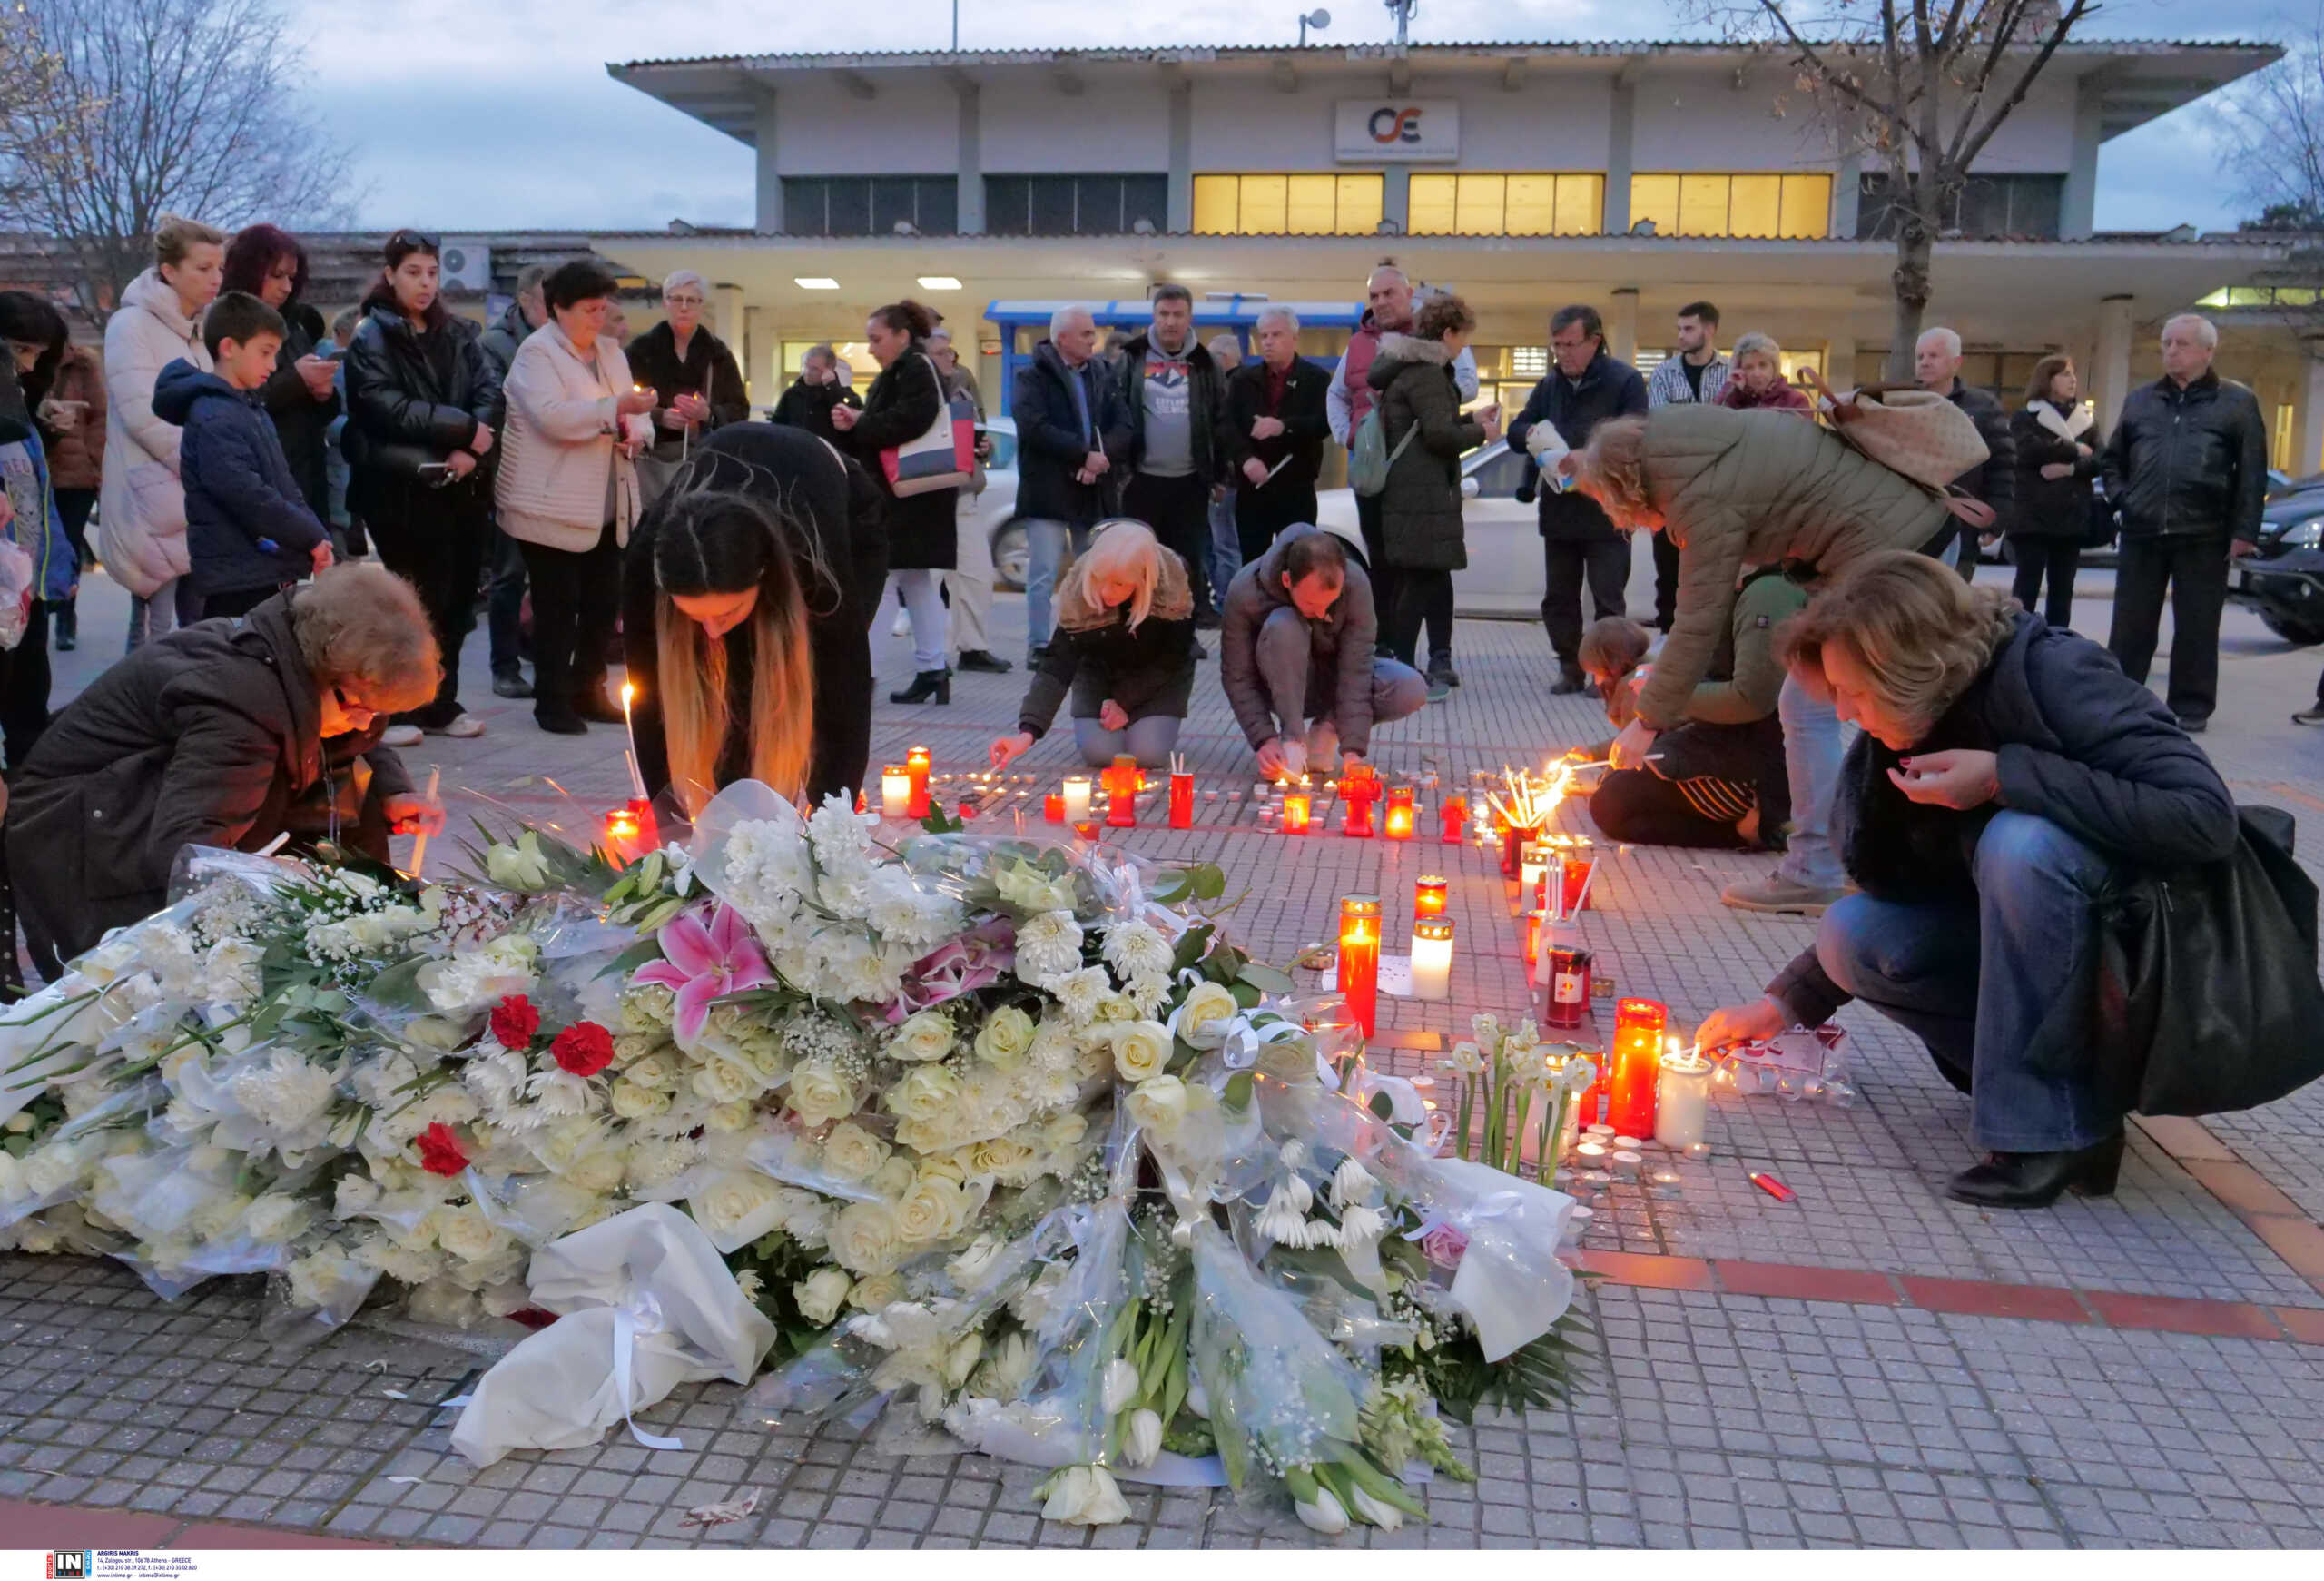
[(1742, 203), (1506, 203), (1324, 204)]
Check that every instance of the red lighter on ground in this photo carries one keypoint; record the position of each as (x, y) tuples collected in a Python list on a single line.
[(1771, 1186)]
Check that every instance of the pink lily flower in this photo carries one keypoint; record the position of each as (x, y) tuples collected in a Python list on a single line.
[(706, 964)]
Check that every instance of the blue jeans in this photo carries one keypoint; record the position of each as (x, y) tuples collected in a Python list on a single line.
[(1999, 989), (1225, 547), (1303, 685), (1045, 543), (1815, 744), (1150, 740), (926, 606)]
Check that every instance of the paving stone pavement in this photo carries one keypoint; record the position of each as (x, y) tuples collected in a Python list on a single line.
[(1730, 1414)]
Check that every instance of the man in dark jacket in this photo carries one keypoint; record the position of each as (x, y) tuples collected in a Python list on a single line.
[(808, 403), (1073, 434), (1275, 422), (1172, 393), (692, 372), (1296, 646), (1579, 543), (248, 532), (2189, 466), (1937, 364)]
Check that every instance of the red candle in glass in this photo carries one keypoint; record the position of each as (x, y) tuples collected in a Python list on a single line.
[(1182, 801), (1429, 892), (1513, 842), (1573, 874), (1358, 790), (1359, 975), (1297, 808), (1053, 806), (1456, 814), (1085, 831), (916, 763), (1532, 924), (1397, 822), (1122, 783), (1636, 1062)]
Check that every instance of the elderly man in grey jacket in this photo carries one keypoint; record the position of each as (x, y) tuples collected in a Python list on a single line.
[(1296, 655)]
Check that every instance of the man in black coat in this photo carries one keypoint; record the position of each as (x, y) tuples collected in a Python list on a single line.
[(1936, 363), (1276, 420), (1578, 542), (1073, 434), (2189, 466), (1172, 393), (808, 403)]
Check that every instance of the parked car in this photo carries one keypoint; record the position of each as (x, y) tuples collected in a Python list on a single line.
[(1504, 579), (996, 507), (2283, 581)]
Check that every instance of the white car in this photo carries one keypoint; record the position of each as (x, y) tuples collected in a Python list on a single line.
[(1504, 579), (996, 507)]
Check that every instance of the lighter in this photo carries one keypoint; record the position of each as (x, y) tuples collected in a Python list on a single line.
[(1771, 1186)]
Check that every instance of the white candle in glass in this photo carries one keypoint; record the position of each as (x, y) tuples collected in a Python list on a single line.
[(1681, 1099), (1432, 958), (895, 793), (1077, 798)]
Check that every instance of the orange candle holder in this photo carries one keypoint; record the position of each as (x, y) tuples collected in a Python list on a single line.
[(630, 831), (1122, 783), (1397, 822), (1430, 893), (916, 764), (1359, 973), (1454, 814), (1296, 810), (1053, 806), (1573, 882), (1636, 1061), (1182, 801), (1531, 922), (1359, 790)]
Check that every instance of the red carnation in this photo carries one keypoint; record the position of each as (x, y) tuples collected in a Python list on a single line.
[(514, 1023), (439, 1151), (585, 1048)]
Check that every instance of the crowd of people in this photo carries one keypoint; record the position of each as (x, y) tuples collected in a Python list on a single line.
[(1810, 588)]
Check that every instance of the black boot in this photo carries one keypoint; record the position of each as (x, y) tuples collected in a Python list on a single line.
[(927, 687), (984, 662), (2036, 1179), (1570, 680), (68, 625), (592, 704)]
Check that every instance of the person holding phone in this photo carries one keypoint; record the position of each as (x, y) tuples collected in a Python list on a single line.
[(303, 397), (421, 396)]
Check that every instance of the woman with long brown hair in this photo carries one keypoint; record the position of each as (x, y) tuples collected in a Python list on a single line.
[(743, 621)]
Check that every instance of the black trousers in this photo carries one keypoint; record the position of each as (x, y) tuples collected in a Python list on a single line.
[(1261, 513), (75, 506), (1178, 510), (1422, 597), (240, 602), (2193, 569), (1666, 581), (2055, 559), (1376, 554), (23, 687), (1566, 564), (440, 558), (575, 597), (503, 604), (1638, 807)]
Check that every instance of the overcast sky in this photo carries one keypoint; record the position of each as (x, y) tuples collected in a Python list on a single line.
[(502, 116)]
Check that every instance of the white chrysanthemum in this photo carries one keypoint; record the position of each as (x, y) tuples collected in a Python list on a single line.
[(559, 1094), (230, 972), (768, 870), (901, 913), (1360, 1227), (496, 1081), (1352, 1184), (1137, 950), (1283, 1219), (1082, 993), (1048, 946), (1146, 996), (286, 1094)]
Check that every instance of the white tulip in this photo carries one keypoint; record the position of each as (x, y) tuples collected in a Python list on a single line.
[(1324, 1514), (1084, 1496), (1121, 1385), (1145, 1439), (1387, 1516)]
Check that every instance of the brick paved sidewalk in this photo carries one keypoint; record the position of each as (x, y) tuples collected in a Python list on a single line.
[(1870, 1364)]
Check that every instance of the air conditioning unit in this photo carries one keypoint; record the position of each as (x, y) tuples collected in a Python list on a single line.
[(467, 266)]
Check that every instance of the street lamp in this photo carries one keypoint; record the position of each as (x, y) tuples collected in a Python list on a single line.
[(1318, 19)]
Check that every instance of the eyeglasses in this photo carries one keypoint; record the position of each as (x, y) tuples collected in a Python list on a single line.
[(350, 707), (687, 299), (408, 241)]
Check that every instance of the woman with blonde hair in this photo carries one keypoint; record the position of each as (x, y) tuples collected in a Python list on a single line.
[(2008, 778), (1124, 646), (1757, 383)]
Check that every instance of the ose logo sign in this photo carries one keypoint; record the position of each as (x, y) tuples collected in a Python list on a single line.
[(1375, 131)]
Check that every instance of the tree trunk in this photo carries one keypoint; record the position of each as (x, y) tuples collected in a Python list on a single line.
[(1911, 281)]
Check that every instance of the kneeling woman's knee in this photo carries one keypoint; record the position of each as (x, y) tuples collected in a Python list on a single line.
[(1844, 943), (2016, 848), (1615, 804)]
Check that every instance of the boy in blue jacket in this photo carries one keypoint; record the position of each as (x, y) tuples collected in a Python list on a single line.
[(248, 530)]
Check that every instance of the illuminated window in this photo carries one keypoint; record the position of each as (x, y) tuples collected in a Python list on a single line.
[(1731, 204), (1492, 203), (1287, 205)]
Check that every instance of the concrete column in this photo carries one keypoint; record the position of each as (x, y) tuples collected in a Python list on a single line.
[(1839, 361), (1621, 324), (1848, 194), (2109, 375), (1617, 156), (770, 174), (731, 323), (1396, 196), (1182, 158), (759, 341), (2078, 209), (972, 177), (2311, 416)]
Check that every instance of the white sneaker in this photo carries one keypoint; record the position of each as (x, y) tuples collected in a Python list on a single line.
[(902, 624), (402, 736), (463, 728)]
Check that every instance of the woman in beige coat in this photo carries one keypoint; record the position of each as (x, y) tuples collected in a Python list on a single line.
[(140, 510), (567, 490)]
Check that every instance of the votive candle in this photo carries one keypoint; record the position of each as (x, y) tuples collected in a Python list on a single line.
[(1454, 814), (1396, 824), (1359, 974), (1053, 807), (895, 792), (1077, 798), (916, 763), (1182, 801), (1430, 891), (1682, 1099), (1123, 781), (1295, 811), (1432, 958), (1638, 1025)]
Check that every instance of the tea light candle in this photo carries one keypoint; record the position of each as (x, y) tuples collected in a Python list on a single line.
[(1396, 824), (1429, 894), (895, 792), (1432, 958), (916, 762), (1077, 798), (1682, 1099), (1359, 974)]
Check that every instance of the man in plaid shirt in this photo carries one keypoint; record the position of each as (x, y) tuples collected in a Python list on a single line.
[(1698, 373)]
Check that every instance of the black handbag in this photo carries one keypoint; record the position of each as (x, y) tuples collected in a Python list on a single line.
[(2207, 998), (2099, 529)]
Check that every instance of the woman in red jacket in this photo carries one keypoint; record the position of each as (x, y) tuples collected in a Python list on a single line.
[(1757, 383)]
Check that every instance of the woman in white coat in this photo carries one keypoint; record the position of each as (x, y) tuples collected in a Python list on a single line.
[(140, 510), (567, 490)]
